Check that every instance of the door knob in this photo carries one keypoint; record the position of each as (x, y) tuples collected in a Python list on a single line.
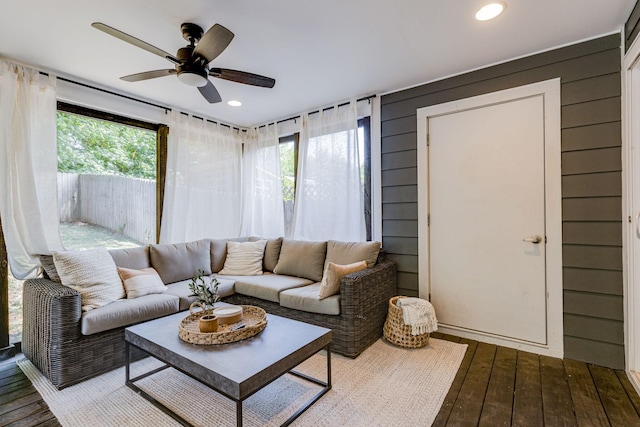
[(533, 239)]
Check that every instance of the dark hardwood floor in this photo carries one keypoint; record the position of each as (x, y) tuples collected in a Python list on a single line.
[(495, 386), (20, 403), (499, 386)]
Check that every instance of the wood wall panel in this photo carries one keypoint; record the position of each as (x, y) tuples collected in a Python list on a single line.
[(592, 209), (591, 280), (591, 181)]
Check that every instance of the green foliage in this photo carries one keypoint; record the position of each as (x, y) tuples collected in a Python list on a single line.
[(88, 145), (205, 294), (287, 170)]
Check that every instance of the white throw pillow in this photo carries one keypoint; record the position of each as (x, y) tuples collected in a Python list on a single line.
[(333, 275), (141, 282), (244, 258), (92, 273)]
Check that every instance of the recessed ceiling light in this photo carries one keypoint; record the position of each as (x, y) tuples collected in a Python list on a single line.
[(234, 103), (490, 11)]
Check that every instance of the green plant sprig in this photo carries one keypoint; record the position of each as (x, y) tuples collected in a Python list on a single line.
[(205, 294)]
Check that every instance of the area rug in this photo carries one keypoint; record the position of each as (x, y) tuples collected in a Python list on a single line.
[(386, 385)]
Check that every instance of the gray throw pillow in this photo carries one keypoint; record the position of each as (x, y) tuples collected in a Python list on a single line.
[(302, 259), (181, 261)]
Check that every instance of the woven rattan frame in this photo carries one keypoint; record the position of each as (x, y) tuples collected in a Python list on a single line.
[(52, 339)]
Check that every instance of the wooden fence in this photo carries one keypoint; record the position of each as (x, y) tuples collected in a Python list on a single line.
[(121, 204)]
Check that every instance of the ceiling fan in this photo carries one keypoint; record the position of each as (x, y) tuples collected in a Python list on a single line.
[(192, 62)]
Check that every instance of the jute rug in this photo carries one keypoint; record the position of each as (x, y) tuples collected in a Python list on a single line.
[(384, 386)]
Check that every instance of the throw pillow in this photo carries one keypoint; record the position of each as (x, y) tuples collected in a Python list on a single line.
[(141, 282), (302, 259), (244, 258), (350, 252), (92, 273), (333, 275)]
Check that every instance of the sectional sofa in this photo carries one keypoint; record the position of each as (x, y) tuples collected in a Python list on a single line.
[(71, 333)]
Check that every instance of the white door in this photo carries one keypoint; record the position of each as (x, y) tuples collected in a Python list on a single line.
[(489, 209), (486, 197)]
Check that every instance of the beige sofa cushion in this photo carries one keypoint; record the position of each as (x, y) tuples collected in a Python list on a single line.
[(266, 287), (350, 252), (136, 258), (182, 291), (306, 299), (126, 312), (244, 258), (181, 261), (302, 259), (91, 272)]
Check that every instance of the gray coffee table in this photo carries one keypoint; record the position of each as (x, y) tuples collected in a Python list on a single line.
[(235, 370)]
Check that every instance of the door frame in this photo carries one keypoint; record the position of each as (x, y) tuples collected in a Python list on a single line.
[(550, 90), (630, 208)]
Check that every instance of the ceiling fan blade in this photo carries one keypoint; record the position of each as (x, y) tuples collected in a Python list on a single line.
[(147, 75), (210, 93), (213, 42), (134, 41), (242, 77)]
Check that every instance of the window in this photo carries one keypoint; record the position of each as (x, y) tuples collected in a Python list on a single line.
[(106, 179), (289, 169), (110, 175)]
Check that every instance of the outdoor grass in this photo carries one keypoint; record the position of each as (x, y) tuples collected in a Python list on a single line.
[(75, 235)]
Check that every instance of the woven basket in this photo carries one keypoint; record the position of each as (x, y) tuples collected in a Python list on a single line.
[(396, 332), (254, 318)]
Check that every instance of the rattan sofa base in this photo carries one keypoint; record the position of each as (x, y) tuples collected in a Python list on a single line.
[(364, 299), (52, 339)]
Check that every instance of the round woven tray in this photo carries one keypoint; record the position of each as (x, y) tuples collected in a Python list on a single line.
[(396, 332), (254, 318)]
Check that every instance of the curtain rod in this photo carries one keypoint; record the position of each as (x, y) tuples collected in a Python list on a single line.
[(365, 98), (166, 109)]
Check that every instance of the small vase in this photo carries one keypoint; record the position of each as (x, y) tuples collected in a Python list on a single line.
[(208, 323)]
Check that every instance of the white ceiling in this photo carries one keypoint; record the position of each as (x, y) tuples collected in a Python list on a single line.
[(319, 52)]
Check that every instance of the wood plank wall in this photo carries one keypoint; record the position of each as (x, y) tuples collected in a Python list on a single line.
[(591, 183)]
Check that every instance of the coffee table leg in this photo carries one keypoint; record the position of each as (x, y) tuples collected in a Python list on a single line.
[(239, 413), (127, 359)]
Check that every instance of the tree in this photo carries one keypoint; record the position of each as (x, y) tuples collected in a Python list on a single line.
[(88, 145)]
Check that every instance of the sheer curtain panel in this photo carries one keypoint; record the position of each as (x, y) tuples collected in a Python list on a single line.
[(203, 183), (329, 201), (263, 211), (28, 167)]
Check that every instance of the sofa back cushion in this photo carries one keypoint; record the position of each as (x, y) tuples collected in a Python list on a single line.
[(271, 254), (136, 258), (181, 261), (302, 259), (350, 252)]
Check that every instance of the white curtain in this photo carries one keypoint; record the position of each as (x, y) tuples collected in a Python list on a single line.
[(329, 195), (203, 183), (263, 211), (28, 167)]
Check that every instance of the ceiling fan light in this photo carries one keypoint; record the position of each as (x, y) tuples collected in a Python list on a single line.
[(192, 78)]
